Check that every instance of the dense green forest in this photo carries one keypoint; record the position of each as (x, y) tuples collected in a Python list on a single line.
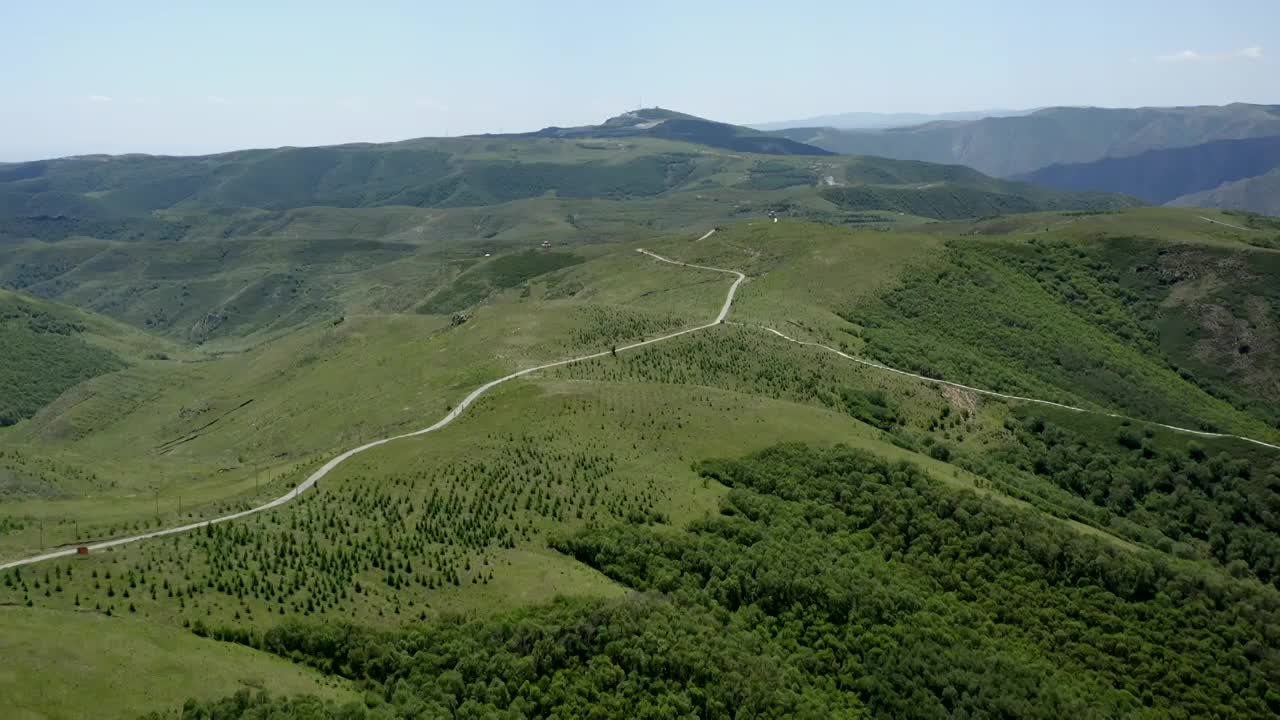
[(55, 228), (41, 355), (832, 584), (947, 202), (1171, 493), (1214, 312)]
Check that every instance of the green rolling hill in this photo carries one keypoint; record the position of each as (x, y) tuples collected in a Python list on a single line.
[(258, 242), (571, 164), (659, 471)]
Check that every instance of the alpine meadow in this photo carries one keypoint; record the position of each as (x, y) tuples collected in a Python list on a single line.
[(965, 415)]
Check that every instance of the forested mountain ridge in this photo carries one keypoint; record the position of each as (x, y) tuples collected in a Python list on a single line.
[(645, 154)]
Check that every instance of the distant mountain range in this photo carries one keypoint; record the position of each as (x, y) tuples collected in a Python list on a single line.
[(875, 120), (1259, 194), (1161, 176), (1011, 146), (1157, 154)]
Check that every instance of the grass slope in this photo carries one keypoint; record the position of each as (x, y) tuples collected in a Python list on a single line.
[(1067, 305), (75, 665), (454, 521), (212, 432)]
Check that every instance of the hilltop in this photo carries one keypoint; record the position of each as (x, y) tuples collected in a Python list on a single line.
[(671, 125)]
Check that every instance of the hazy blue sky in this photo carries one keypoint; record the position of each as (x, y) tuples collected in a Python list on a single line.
[(177, 77)]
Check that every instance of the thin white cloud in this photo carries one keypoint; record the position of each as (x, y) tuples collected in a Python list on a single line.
[(99, 98), (217, 100), (1248, 53), (1179, 56)]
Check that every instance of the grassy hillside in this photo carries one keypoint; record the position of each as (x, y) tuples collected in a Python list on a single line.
[(1060, 281), (184, 258), (70, 665), (1159, 176), (1008, 146), (1037, 318), (914, 549), (193, 438)]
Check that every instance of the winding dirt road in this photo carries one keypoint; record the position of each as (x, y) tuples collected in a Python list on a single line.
[(452, 415), (1219, 222)]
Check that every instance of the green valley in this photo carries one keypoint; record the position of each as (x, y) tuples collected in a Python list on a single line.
[(961, 446)]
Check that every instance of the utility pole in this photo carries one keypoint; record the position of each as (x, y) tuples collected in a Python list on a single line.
[(41, 533)]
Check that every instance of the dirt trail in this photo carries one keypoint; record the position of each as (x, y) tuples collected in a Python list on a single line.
[(1014, 398), (1219, 222), (452, 415)]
